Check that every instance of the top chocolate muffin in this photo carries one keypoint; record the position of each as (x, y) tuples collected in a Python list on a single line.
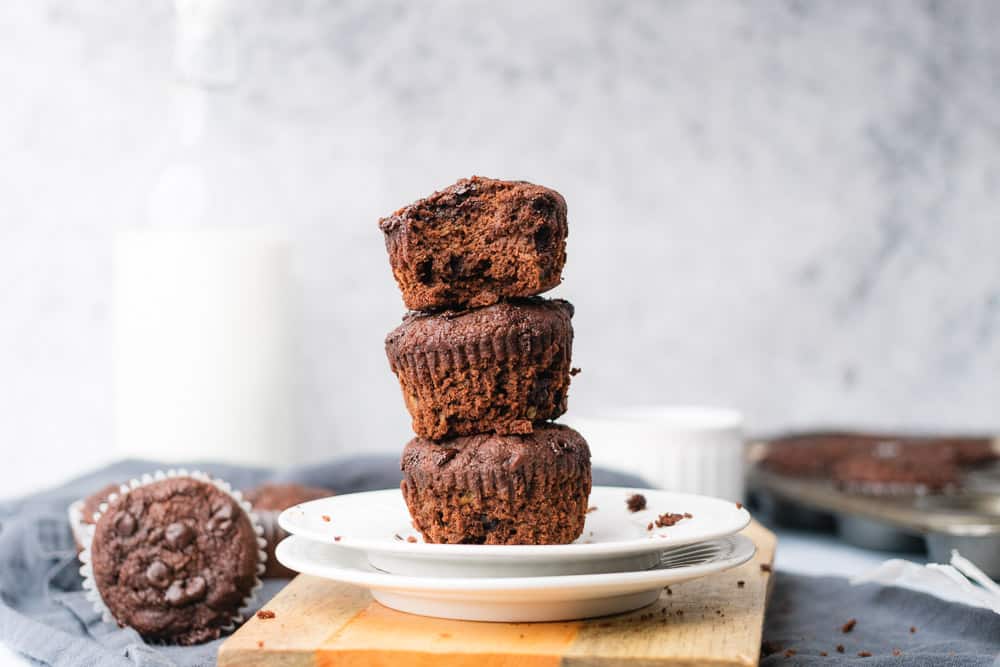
[(476, 242)]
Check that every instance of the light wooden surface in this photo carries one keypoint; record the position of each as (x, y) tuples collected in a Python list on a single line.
[(709, 621)]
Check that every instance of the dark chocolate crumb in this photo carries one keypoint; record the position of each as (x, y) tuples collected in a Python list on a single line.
[(636, 502), (445, 455), (864, 654), (912, 629), (741, 583), (649, 526), (896, 652), (765, 567), (336, 538), (574, 371), (325, 518), (847, 627), (768, 647), (265, 614), (668, 519), (840, 648), (669, 592), (823, 653)]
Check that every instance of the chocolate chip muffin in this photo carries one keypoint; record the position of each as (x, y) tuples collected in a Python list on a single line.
[(494, 369), (92, 503), (268, 501), (499, 489), (175, 559), (476, 242)]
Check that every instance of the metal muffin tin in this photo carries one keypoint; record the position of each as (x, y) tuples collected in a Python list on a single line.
[(968, 521)]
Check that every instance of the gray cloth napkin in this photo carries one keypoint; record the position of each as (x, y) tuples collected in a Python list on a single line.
[(45, 616), (807, 615)]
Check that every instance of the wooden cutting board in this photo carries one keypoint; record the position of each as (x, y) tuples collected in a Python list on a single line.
[(709, 621)]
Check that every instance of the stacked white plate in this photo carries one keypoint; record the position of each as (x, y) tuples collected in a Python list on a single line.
[(617, 565)]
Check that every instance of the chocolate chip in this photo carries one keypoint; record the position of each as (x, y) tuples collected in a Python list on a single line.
[(179, 535), (181, 593), (175, 594), (195, 588), (219, 527), (125, 524), (222, 510), (158, 574)]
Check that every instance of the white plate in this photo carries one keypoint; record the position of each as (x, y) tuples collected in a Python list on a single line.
[(614, 539), (516, 599)]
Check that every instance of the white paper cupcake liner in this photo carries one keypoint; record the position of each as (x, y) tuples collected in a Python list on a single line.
[(85, 534)]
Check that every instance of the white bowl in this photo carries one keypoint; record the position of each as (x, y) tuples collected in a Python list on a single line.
[(678, 448)]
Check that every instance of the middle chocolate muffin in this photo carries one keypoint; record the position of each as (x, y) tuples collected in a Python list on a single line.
[(499, 489), (495, 369)]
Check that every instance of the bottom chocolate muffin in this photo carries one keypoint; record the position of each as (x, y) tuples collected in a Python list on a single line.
[(499, 489)]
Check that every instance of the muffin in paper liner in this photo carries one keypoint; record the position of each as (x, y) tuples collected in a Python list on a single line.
[(86, 533)]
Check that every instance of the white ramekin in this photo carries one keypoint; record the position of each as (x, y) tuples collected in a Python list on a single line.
[(688, 449)]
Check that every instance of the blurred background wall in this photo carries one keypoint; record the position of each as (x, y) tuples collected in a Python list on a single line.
[(791, 208)]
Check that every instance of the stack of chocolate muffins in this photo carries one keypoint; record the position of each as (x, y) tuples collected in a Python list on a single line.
[(484, 365)]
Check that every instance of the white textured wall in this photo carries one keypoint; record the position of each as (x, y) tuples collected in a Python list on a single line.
[(791, 208)]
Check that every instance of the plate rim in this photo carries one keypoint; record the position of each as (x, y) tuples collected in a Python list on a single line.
[(744, 549), (538, 551)]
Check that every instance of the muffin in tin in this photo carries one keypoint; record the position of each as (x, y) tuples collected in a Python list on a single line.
[(910, 471), (499, 489), (496, 369), (476, 242)]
